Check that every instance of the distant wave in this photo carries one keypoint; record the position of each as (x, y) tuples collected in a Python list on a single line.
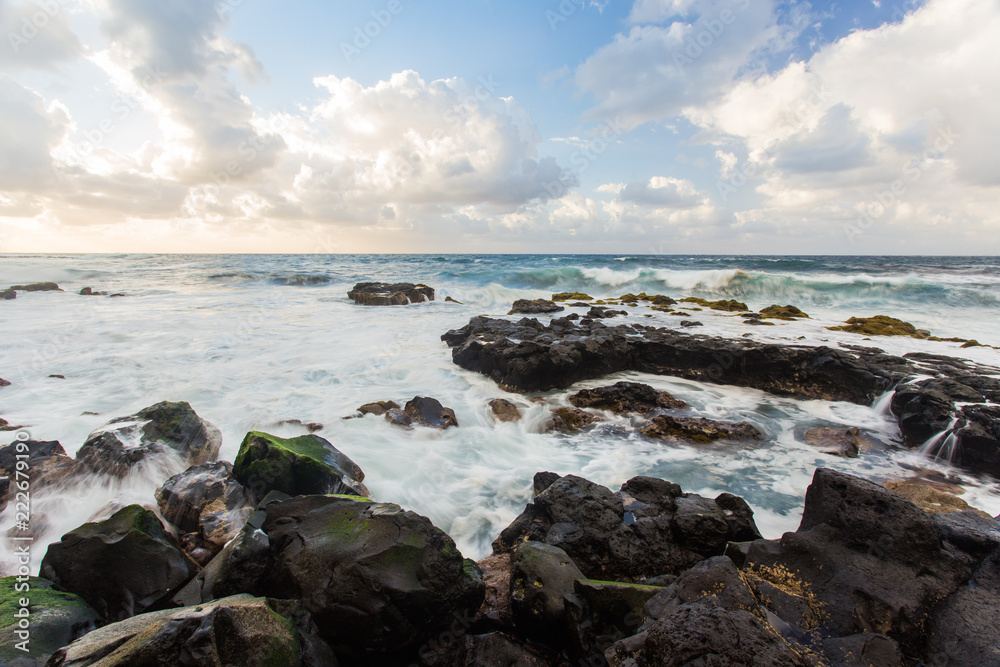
[(291, 279)]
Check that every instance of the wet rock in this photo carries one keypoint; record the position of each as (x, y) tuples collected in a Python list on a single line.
[(6, 426), (534, 307), (864, 650), (496, 611), (4, 383), (543, 480), (601, 313), (879, 325), (423, 411), (89, 291), (504, 410), (626, 397), (378, 408), (541, 577), (970, 531), (600, 613), (777, 312), (206, 504), (375, 577), (922, 412), (37, 287), (56, 618), (448, 299), (978, 437), (238, 630), (570, 420), (312, 427), (48, 464), (716, 576), (164, 428), (874, 560), (699, 429), (725, 305), (239, 568), (296, 466), (146, 564), (647, 529), (848, 443), (690, 323), (390, 294), (965, 629), (572, 296), (930, 497), (494, 648)]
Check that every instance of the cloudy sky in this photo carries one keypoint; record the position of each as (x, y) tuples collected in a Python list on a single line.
[(653, 126)]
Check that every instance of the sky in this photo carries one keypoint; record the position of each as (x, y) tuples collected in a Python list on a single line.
[(489, 126)]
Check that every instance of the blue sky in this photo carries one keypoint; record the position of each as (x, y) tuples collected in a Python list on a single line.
[(591, 126)]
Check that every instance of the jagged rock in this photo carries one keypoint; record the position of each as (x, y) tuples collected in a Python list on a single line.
[(238, 630), (699, 429), (496, 611), (965, 629), (543, 480), (602, 313), (535, 307), (504, 410), (649, 528), (423, 411), (390, 294), (922, 412), (970, 531), (378, 408), (600, 613), (55, 619), (869, 649), (495, 648), (207, 505), (47, 463), (626, 397), (541, 577), (875, 561), (37, 287), (570, 420), (164, 428), (122, 566), (448, 299), (296, 466)]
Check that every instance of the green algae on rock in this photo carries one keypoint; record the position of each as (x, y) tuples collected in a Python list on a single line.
[(879, 325), (723, 304), (572, 296), (777, 312), (56, 618)]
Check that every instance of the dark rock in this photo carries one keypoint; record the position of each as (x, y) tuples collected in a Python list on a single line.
[(864, 650), (699, 429), (4, 383), (647, 529), (238, 630), (601, 313), (376, 578), (716, 576), (504, 410), (978, 436), (146, 565), (543, 480), (390, 294), (296, 466), (874, 560), (971, 532), (541, 576), (165, 428), (206, 504), (726, 305), (570, 420), (56, 618), (739, 516), (965, 629), (48, 464), (777, 312), (626, 397), (534, 307), (423, 411), (6, 426), (312, 427), (87, 291), (494, 648), (58, 377), (600, 613), (922, 412), (240, 567), (7, 295), (691, 323), (496, 611), (37, 287), (378, 408)]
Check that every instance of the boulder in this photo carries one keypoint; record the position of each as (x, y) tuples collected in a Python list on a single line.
[(970, 531), (874, 560), (602, 313), (600, 613), (504, 410), (848, 443), (377, 579), (423, 411), (89, 291), (390, 294), (243, 563), (570, 420), (496, 611), (494, 648), (55, 619), (541, 577), (534, 307), (162, 429), (864, 650), (965, 629), (296, 466), (647, 529), (625, 398), (699, 429), (378, 408), (207, 505), (238, 630), (47, 463), (123, 566), (7, 295), (4, 383), (777, 312), (37, 287)]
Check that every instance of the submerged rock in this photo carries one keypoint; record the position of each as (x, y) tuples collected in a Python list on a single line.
[(48, 464), (534, 307), (55, 619), (7, 295), (423, 411), (879, 325), (37, 287), (390, 294), (504, 410), (649, 528), (777, 312), (4, 383), (848, 443), (378, 408), (296, 466), (726, 305), (699, 429), (164, 428), (625, 398), (570, 420), (239, 630), (207, 505), (123, 566)]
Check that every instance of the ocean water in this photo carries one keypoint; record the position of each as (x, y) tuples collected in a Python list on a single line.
[(251, 341)]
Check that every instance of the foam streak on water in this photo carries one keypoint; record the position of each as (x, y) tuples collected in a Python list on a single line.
[(253, 341)]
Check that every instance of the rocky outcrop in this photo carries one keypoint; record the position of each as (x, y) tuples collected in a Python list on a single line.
[(7, 295), (534, 307), (55, 618), (422, 411), (37, 287), (390, 294), (648, 528), (378, 408), (626, 398), (238, 630), (699, 429), (207, 506), (848, 443), (123, 566), (504, 410), (295, 466), (163, 429), (48, 464), (570, 420)]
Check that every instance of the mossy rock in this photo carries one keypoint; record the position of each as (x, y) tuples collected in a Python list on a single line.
[(879, 325), (570, 420), (724, 305), (307, 465), (777, 312), (56, 618), (572, 296)]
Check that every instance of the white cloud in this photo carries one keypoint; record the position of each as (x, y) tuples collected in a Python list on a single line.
[(36, 36)]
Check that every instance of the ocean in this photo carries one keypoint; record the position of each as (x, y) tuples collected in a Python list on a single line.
[(253, 340)]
